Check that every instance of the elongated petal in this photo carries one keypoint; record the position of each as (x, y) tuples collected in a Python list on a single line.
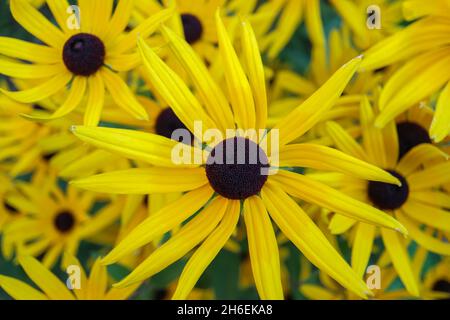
[(395, 246), (427, 214), (160, 222), (59, 10), (263, 248), (305, 116), (20, 290), (408, 42), (143, 30), (74, 98), (44, 279), (41, 91), (181, 243), (344, 141), (239, 89), (301, 230), (431, 177), (16, 48), (372, 137), (312, 191), (340, 223), (435, 198), (255, 72), (325, 158), (36, 24), (416, 80), (203, 256), (122, 95), (425, 240), (210, 93), (133, 144), (419, 155), (119, 19), (29, 71), (94, 104), (440, 127), (173, 90), (362, 247), (145, 181)]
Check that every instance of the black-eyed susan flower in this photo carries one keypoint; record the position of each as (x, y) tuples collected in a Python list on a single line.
[(424, 71), (217, 192), (53, 221), (84, 56), (437, 281), (420, 200), (92, 286)]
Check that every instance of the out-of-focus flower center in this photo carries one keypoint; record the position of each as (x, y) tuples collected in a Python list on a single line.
[(193, 28), (84, 54), (167, 122), (410, 135), (387, 196), (64, 221), (235, 168), (441, 285)]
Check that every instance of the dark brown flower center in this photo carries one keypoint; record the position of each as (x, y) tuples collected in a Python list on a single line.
[(236, 168), (64, 221), (192, 27), (410, 135), (84, 54), (388, 196)]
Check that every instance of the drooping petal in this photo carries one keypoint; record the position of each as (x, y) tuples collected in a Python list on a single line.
[(239, 90), (29, 71), (144, 180), (203, 256), (209, 92), (362, 247), (263, 249), (160, 222), (305, 116), (191, 234), (94, 104), (151, 148), (20, 290), (312, 191), (45, 279), (396, 247), (302, 231), (16, 48), (325, 158)]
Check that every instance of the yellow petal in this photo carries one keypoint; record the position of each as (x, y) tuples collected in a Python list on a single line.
[(94, 104), (144, 180), (440, 127), (255, 72), (36, 23), (340, 223), (119, 19), (306, 236), (191, 234), (396, 247), (431, 177), (325, 158), (44, 279), (29, 71), (209, 92), (305, 116), (422, 238), (160, 222), (428, 214), (122, 95), (173, 90), (41, 91), (20, 290), (344, 141), (151, 148), (362, 247), (419, 155), (312, 191), (203, 256), (263, 249), (16, 48), (239, 89)]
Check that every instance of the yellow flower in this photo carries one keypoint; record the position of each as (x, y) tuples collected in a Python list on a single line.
[(416, 202), (83, 58), (425, 71), (92, 287), (220, 192), (53, 221)]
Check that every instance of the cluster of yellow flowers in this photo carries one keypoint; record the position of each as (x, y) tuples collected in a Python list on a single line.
[(140, 133)]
